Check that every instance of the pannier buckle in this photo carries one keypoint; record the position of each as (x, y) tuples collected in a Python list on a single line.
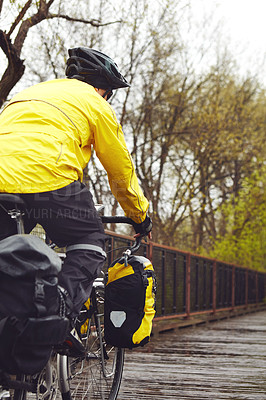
[(39, 291)]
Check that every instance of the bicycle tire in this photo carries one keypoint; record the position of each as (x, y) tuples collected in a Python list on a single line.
[(84, 379)]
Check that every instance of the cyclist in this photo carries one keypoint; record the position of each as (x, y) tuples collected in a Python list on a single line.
[(47, 133)]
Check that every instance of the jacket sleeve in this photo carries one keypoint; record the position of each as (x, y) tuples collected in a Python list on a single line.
[(111, 149)]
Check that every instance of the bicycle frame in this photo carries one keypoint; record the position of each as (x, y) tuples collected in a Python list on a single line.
[(24, 383), (97, 318)]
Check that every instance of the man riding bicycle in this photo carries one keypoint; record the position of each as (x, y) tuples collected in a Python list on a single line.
[(47, 133)]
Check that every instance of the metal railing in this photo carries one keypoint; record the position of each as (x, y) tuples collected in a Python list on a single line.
[(189, 284)]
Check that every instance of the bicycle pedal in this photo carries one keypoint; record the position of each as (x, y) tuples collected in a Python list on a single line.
[(91, 356), (75, 335), (72, 346)]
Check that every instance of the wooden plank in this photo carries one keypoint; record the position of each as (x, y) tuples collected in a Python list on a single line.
[(217, 361)]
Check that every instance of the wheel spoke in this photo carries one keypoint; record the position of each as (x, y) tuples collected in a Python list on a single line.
[(96, 377)]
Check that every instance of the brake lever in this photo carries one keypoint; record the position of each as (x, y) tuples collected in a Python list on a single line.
[(126, 254), (132, 249)]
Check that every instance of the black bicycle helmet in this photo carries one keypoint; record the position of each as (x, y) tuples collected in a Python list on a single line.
[(95, 68)]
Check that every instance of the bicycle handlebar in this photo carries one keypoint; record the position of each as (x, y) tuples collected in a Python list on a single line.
[(117, 219)]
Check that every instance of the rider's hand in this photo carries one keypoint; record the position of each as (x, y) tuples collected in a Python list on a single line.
[(138, 234), (144, 228)]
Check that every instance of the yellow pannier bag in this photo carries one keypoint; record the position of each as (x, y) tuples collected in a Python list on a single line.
[(129, 306), (84, 326)]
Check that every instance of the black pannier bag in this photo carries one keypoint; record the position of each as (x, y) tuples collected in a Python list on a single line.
[(30, 322), (129, 305)]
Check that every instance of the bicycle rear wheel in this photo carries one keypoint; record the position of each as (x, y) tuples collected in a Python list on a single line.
[(99, 375)]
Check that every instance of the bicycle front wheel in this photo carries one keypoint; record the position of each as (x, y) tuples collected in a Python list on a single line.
[(99, 375)]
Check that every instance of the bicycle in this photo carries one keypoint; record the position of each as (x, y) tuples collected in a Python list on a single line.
[(99, 374)]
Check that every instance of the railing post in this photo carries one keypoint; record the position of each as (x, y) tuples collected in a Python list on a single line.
[(233, 287), (188, 284), (214, 291), (197, 285), (204, 285), (150, 248), (246, 299), (257, 288), (163, 282), (175, 284), (111, 249)]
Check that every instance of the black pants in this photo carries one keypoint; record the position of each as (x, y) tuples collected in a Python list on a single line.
[(69, 217)]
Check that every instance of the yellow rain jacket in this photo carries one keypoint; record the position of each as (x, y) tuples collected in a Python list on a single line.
[(46, 137)]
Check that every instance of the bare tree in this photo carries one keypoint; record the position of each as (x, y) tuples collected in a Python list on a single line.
[(29, 14)]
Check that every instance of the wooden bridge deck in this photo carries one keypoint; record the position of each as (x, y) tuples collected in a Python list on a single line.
[(217, 361)]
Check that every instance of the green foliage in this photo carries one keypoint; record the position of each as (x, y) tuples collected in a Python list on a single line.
[(245, 216)]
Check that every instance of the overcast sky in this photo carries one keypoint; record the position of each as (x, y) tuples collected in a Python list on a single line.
[(244, 22)]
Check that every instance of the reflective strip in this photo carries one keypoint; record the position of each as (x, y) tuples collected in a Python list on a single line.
[(86, 247)]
